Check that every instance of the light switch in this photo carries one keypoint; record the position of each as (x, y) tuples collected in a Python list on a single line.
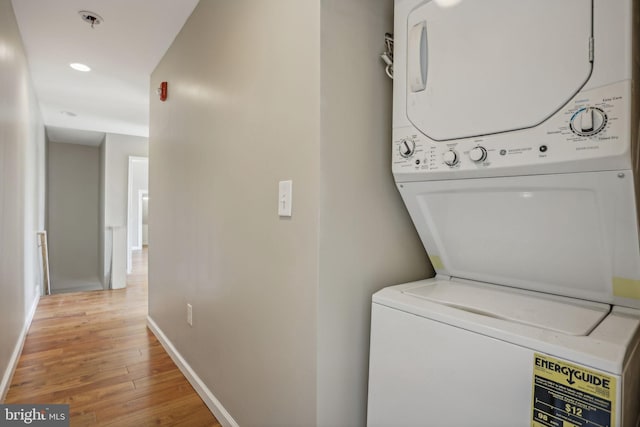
[(285, 196)]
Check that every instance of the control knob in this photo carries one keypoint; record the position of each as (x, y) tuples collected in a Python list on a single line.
[(407, 148), (450, 158), (588, 121), (478, 154)]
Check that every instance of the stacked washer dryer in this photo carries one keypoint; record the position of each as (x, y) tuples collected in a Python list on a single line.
[(515, 150)]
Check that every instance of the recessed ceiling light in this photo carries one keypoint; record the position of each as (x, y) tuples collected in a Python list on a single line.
[(68, 113), (80, 67)]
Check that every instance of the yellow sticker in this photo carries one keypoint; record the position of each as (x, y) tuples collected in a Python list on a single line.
[(626, 288), (569, 395), (436, 262)]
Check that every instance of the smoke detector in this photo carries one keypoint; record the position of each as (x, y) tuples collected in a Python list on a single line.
[(91, 17)]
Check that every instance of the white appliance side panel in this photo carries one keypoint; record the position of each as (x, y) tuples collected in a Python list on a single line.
[(425, 373), (495, 65), (573, 234), (401, 11)]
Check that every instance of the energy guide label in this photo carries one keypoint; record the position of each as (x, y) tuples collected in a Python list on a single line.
[(568, 395)]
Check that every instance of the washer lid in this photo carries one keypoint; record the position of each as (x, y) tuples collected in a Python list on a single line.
[(571, 234), (569, 317), (483, 67)]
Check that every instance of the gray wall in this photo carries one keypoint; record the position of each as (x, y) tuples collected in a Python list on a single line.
[(367, 240), (242, 114), (73, 216), (280, 306), (22, 184)]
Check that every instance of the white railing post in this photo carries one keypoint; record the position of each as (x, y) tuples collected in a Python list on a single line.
[(44, 261)]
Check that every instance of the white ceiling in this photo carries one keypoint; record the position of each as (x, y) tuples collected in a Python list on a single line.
[(122, 52)]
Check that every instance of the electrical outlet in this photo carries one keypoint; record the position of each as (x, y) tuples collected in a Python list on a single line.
[(189, 314)]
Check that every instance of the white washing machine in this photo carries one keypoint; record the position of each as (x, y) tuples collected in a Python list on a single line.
[(515, 150)]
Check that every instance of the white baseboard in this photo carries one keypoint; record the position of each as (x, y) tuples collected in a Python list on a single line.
[(17, 350), (207, 396)]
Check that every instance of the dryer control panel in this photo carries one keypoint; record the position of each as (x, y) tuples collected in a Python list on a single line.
[(591, 126)]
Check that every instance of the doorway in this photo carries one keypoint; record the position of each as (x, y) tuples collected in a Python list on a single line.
[(138, 190)]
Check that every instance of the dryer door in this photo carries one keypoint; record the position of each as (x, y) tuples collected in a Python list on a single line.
[(489, 66)]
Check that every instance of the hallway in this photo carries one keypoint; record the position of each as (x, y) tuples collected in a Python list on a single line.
[(93, 351)]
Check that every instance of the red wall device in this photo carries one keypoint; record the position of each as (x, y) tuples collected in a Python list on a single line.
[(163, 91)]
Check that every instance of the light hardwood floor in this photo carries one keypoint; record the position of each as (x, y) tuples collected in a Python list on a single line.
[(93, 351)]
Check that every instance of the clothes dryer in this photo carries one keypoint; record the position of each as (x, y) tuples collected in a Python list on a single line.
[(515, 150)]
